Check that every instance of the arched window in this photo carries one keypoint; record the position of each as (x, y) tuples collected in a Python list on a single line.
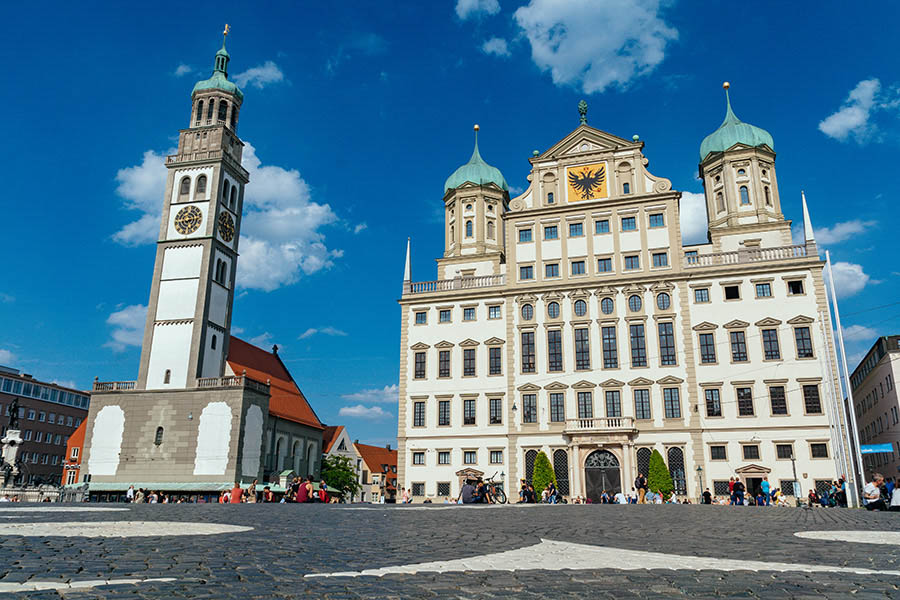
[(553, 310), (185, 186), (233, 202), (168, 376), (468, 229), (561, 470), (199, 112), (720, 202), (490, 230), (580, 308), (742, 172), (201, 184), (643, 461), (223, 110), (233, 117), (214, 340), (209, 112), (626, 188), (676, 470), (745, 195), (768, 198), (530, 457), (159, 436), (550, 198), (225, 192)]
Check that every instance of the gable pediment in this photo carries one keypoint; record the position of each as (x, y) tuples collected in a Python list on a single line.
[(705, 326), (606, 290), (801, 320), (585, 139), (612, 383), (767, 322), (583, 385), (469, 472), (529, 387), (556, 385), (419, 346), (752, 468), (526, 298), (634, 289), (736, 324), (642, 381), (444, 344), (494, 341), (554, 295), (669, 380), (662, 286), (579, 294), (468, 343)]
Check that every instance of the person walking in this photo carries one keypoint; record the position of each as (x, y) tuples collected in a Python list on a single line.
[(129, 495), (640, 483), (765, 489), (738, 492)]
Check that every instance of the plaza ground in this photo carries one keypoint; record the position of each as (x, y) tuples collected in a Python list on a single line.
[(289, 543)]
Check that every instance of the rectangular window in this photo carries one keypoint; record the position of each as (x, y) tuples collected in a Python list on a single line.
[(657, 220), (811, 400), (576, 229), (660, 259), (526, 273), (496, 457), (613, 403), (444, 363), (420, 365), (418, 414), (610, 352), (443, 412), (804, 342), (551, 270), (713, 403), (638, 347), (470, 457), (629, 224), (554, 350), (444, 457), (707, 348), (578, 267), (666, 344), (632, 262), (42, 416), (795, 287), (469, 411), (691, 257), (732, 292), (717, 452), (551, 232), (31, 414), (751, 452), (418, 458), (529, 408), (51, 418), (421, 318), (495, 361), (601, 226), (493, 312), (672, 403), (738, 346), (557, 408), (819, 450), (528, 352), (39, 437), (582, 349), (525, 235), (701, 295), (604, 265), (468, 362), (770, 344), (585, 405), (784, 451), (763, 290), (469, 314), (444, 315), (496, 411), (745, 402), (642, 404), (778, 400), (443, 488)]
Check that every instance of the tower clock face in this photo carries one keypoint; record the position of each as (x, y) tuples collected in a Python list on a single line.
[(188, 220), (226, 226)]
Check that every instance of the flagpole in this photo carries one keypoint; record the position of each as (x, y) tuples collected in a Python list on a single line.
[(838, 425)]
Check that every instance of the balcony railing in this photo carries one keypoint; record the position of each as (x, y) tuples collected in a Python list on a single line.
[(597, 424), (204, 382), (745, 255), (457, 283), (113, 386), (205, 155)]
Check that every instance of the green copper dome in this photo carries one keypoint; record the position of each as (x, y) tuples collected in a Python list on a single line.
[(219, 79), (476, 171), (733, 131)]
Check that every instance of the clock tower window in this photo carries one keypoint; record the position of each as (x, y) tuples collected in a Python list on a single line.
[(201, 184), (185, 186), (225, 192), (209, 112), (213, 344), (199, 114), (233, 200), (223, 110), (168, 376)]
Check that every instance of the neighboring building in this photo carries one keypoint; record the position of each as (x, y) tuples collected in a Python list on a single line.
[(571, 319), (207, 409), (876, 404), (72, 459), (379, 473), (48, 415), (336, 442)]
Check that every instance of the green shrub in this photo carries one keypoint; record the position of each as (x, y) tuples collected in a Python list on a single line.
[(543, 473), (659, 480)]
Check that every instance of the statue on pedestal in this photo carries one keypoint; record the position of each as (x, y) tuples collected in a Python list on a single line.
[(11, 442)]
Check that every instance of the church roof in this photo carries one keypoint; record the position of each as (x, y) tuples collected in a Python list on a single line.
[(476, 171), (329, 436), (219, 79), (286, 401), (734, 131), (376, 457)]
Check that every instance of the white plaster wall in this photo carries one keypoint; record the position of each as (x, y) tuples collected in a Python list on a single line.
[(525, 252), (577, 246), (431, 472), (177, 299), (551, 250), (603, 243), (251, 452), (630, 241), (213, 439), (212, 358), (658, 237), (170, 349), (768, 239), (106, 441), (180, 263), (218, 304)]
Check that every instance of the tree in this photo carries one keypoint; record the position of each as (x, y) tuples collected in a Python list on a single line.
[(658, 479), (337, 471), (543, 473)]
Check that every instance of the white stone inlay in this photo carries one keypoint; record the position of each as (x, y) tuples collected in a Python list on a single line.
[(106, 441), (555, 556), (251, 452), (31, 586), (50, 508), (891, 538), (213, 439), (118, 529)]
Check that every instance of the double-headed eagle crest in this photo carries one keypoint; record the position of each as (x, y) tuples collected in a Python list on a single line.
[(587, 181)]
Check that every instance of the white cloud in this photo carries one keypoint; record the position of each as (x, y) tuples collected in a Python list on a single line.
[(849, 278), (360, 228), (496, 46), (6, 357), (827, 236), (69, 383), (142, 188), (6, 298), (332, 331), (263, 340), (595, 45), (694, 223), (236, 330), (852, 119), (374, 413), (859, 333), (385, 395), (128, 327), (466, 9), (260, 76), (183, 69), (366, 44)]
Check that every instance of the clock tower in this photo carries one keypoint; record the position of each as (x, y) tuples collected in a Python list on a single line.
[(186, 336)]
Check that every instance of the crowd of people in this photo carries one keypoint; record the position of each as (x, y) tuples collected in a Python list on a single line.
[(301, 489), (881, 494)]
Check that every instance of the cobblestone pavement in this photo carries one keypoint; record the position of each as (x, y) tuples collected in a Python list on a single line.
[(288, 542)]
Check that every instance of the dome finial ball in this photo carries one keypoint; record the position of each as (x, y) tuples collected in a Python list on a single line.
[(476, 127), (726, 85)]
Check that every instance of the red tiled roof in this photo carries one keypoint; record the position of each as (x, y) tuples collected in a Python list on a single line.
[(287, 401), (375, 456), (330, 436), (76, 440)]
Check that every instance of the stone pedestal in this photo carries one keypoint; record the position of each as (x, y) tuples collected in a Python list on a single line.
[(12, 441)]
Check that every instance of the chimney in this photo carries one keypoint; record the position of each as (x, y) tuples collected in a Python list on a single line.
[(275, 349), (355, 441), (388, 446)]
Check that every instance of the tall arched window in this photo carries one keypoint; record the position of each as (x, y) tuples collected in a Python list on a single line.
[(159, 436), (233, 202), (676, 470), (201, 184), (549, 197), (745, 195), (468, 229), (561, 470), (490, 230), (768, 198), (185, 186), (223, 110), (214, 340), (626, 188), (168, 376), (720, 202), (530, 457), (199, 112), (209, 112), (233, 117), (225, 192), (451, 234)]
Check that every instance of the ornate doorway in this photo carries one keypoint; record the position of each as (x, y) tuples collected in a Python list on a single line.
[(601, 472)]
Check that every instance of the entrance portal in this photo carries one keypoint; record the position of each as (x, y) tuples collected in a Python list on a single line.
[(601, 472)]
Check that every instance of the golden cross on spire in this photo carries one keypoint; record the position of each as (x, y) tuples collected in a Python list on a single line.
[(227, 29)]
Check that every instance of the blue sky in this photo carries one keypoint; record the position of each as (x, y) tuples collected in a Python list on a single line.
[(357, 112)]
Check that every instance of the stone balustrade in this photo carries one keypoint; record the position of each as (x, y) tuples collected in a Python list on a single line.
[(745, 255), (203, 382), (599, 424), (114, 386), (457, 283)]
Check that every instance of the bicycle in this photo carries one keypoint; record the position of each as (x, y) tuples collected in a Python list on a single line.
[(495, 488)]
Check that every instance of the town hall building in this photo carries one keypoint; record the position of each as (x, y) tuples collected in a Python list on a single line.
[(571, 319)]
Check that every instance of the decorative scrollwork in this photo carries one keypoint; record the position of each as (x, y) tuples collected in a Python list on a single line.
[(601, 459), (662, 185)]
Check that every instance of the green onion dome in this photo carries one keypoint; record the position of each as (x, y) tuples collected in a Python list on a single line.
[(219, 79), (476, 171), (733, 131)]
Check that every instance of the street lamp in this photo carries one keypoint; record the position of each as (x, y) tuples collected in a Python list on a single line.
[(700, 480), (797, 491)]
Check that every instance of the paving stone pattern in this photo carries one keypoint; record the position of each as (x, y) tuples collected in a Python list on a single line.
[(290, 541)]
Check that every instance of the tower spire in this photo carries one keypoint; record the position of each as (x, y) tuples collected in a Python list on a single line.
[(407, 273), (476, 156), (808, 233), (729, 113)]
